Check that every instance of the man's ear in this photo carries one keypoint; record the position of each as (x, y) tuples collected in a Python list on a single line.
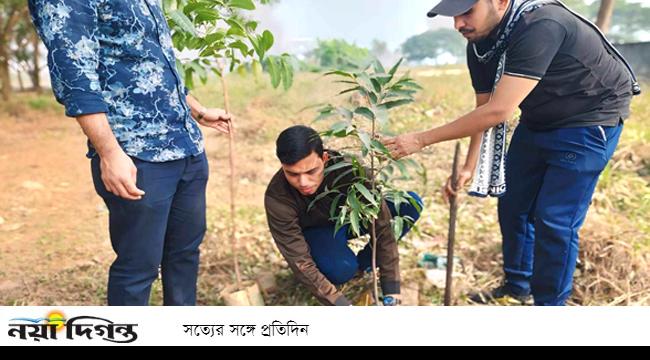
[(326, 157), (503, 4)]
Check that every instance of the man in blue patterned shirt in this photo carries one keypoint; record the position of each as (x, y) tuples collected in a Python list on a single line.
[(113, 68)]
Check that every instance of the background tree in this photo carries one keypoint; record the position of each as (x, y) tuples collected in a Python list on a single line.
[(339, 54), (434, 43), (628, 20), (26, 54), (11, 12), (604, 20)]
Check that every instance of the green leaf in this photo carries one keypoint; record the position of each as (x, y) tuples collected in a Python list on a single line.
[(347, 114), (243, 4), (364, 80), (379, 68), (287, 73), (267, 40), (381, 114), (365, 139), (320, 197), (212, 38), (182, 21), (274, 71), (339, 129), (335, 167), (376, 85), (393, 71), (191, 7), (399, 92), (381, 147), (366, 193), (382, 78), (243, 48), (398, 226), (354, 223), (365, 112), (349, 90), (341, 220), (235, 27), (353, 202), (206, 15), (393, 104), (335, 204), (340, 73)]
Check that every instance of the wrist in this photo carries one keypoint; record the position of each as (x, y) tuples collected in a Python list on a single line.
[(424, 139), (469, 167), (108, 152)]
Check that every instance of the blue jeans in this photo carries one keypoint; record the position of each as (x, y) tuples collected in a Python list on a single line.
[(551, 180), (333, 256), (161, 231)]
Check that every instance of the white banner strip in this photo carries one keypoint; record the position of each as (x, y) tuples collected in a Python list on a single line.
[(372, 326)]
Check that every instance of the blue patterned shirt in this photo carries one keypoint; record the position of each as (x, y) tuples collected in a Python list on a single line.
[(116, 57)]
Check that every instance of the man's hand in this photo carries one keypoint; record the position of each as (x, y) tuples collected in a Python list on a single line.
[(404, 145), (119, 175), (465, 175), (217, 119)]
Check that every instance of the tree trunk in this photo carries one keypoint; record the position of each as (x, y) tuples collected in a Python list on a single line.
[(19, 77), (5, 36), (604, 21), (5, 82), (36, 68)]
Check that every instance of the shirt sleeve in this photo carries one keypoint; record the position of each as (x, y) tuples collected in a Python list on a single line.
[(288, 236), (387, 252), (533, 49), (68, 30)]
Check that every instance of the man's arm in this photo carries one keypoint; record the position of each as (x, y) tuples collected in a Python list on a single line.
[(119, 173), (73, 61), (288, 236), (466, 173), (509, 94), (387, 254)]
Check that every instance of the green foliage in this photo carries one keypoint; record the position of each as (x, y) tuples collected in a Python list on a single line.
[(339, 54), (432, 44), (373, 168), (628, 19), (218, 33)]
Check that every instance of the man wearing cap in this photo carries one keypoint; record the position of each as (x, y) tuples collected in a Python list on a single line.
[(574, 90)]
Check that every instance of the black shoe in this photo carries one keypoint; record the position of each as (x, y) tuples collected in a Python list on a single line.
[(501, 296)]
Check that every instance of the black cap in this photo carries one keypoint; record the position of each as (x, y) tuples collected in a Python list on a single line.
[(452, 7)]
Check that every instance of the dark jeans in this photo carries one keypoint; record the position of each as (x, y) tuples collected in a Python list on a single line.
[(333, 256), (551, 179), (162, 231)]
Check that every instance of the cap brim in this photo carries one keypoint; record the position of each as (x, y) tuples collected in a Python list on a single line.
[(451, 8)]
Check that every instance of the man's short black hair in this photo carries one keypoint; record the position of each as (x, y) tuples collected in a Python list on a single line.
[(297, 143)]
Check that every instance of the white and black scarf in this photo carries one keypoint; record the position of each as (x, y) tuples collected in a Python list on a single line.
[(490, 174)]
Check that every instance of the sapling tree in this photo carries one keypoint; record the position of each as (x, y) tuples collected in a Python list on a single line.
[(218, 38), (374, 172)]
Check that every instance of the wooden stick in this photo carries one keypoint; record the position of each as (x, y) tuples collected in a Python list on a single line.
[(233, 189), (453, 211)]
